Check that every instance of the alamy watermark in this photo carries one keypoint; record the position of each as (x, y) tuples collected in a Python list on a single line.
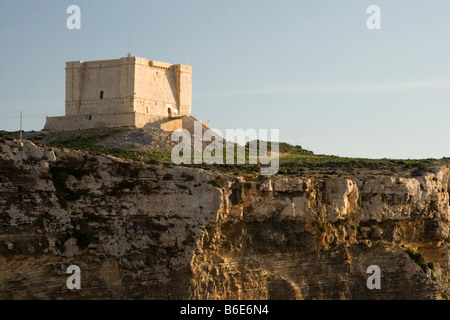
[(191, 147), (374, 281), (74, 20), (374, 20), (74, 281)]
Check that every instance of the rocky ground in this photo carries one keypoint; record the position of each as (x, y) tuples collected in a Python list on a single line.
[(148, 138)]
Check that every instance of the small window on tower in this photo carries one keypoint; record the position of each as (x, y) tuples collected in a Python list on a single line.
[(101, 94)]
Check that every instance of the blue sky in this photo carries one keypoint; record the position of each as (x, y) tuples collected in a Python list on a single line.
[(309, 68)]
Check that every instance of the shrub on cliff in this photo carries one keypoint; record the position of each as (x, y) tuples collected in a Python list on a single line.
[(321, 226), (419, 259)]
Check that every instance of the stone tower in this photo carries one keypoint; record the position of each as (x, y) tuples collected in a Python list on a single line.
[(129, 91)]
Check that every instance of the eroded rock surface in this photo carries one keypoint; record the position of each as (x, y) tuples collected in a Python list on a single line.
[(142, 231)]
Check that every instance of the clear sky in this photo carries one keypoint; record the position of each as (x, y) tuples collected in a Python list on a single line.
[(310, 68)]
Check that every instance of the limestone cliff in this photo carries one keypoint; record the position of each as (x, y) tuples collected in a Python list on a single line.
[(142, 231)]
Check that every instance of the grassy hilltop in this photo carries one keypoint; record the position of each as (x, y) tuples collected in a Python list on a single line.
[(294, 160)]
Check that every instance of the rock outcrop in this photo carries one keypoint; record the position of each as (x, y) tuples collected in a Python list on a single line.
[(141, 231)]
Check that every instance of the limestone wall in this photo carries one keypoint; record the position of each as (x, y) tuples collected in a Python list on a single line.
[(73, 87), (172, 125), (90, 121), (106, 90), (99, 87), (155, 88), (184, 88)]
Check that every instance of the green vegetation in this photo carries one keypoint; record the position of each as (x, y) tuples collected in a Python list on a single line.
[(90, 144), (146, 188), (287, 148), (320, 225), (419, 259), (431, 266), (294, 164), (419, 170), (153, 157), (294, 160), (283, 147)]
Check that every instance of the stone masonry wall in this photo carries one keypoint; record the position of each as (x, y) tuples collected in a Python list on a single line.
[(109, 88)]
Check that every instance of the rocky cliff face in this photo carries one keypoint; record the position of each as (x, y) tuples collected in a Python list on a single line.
[(142, 231)]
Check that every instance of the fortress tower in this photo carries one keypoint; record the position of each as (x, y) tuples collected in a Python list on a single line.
[(130, 91)]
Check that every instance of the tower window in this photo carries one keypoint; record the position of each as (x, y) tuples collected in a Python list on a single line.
[(101, 94)]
